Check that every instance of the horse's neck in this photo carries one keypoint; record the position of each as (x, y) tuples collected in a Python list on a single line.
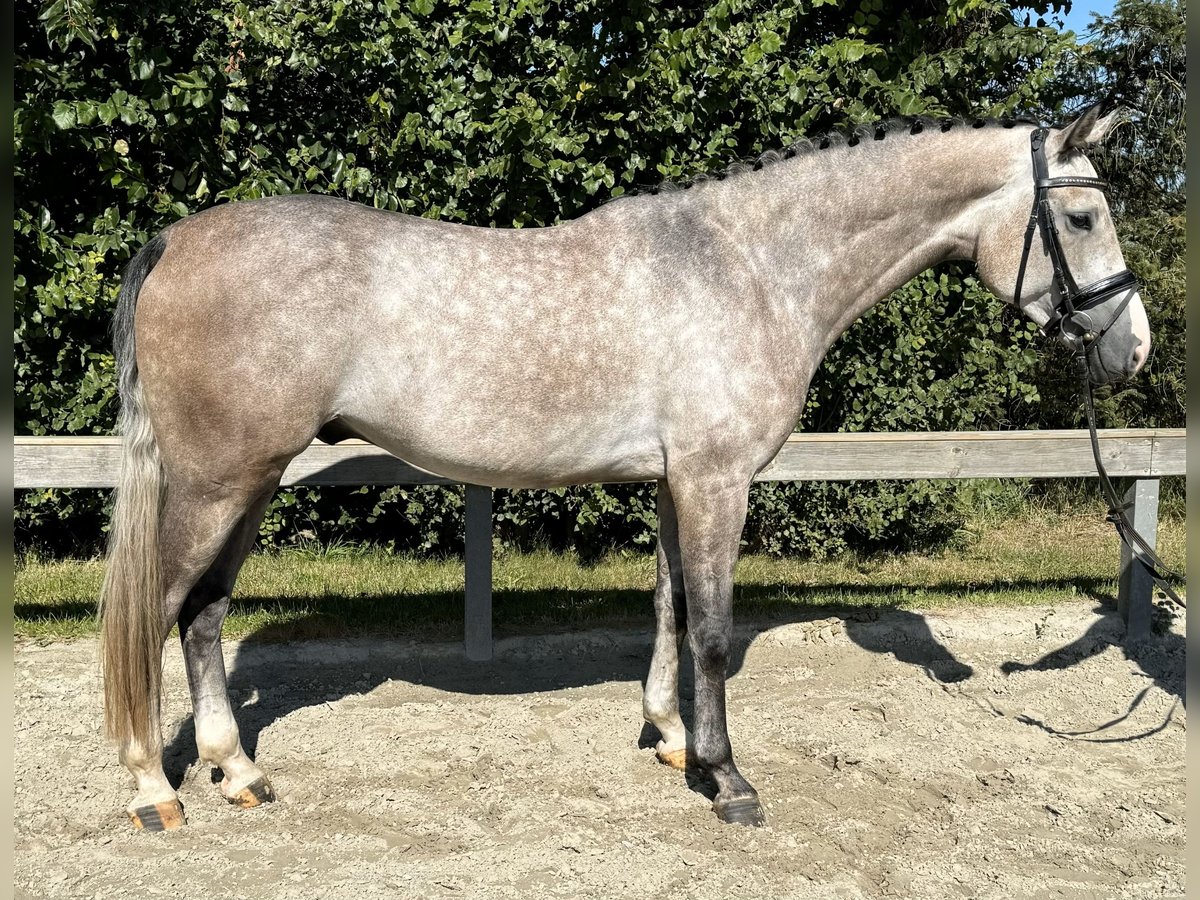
[(835, 234)]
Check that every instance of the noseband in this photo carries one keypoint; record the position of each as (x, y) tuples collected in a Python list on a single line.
[(1073, 299)]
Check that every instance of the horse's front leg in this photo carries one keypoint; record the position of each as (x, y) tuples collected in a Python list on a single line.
[(660, 701), (711, 510)]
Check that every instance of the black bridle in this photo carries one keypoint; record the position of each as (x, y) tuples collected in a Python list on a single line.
[(1072, 301)]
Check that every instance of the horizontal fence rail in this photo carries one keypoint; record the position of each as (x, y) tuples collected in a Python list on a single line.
[(1142, 454), (95, 462)]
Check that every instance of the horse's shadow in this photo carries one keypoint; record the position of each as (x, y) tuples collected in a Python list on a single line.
[(262, 691), (1160, 657)]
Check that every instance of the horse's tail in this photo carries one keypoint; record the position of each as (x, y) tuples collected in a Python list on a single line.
[(131, 633)]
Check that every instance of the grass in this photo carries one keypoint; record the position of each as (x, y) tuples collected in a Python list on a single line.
[(347, 591)]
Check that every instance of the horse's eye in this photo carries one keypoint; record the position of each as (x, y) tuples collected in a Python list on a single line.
[(1082, 221)]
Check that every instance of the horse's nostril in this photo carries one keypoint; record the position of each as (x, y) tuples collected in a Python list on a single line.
[(1139, 355)]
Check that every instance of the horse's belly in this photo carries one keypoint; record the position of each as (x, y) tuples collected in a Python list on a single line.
[(502, 450)]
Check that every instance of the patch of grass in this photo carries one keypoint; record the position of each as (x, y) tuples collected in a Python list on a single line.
[(343, 591)]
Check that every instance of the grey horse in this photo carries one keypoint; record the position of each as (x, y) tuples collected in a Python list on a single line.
[(669, 337)]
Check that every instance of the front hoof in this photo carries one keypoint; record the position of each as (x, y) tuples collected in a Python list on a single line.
[(676, 759), (165, 816), (742, 811), (256, 793)]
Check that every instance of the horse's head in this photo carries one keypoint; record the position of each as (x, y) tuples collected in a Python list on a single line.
[(1064, 267)]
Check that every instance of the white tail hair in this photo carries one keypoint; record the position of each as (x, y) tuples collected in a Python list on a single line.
[(131, 598)]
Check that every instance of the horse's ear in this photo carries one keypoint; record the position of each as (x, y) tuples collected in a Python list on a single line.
[(1089, 128)]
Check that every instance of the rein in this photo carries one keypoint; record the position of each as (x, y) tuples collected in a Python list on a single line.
[(1073, 301), (1142, 552)]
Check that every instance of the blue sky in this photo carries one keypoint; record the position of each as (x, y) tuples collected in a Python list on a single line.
[(1080, 16)]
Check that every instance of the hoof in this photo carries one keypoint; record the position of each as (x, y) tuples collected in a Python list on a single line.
[(159, 817), (256, 793), (676, 759), (743, 811)]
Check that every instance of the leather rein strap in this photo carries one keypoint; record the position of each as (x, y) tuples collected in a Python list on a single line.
[(1074, 300), (1142, 552)]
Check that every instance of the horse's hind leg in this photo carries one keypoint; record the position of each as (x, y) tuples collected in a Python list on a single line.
[(200, 620), (660, 700), (195, 525)]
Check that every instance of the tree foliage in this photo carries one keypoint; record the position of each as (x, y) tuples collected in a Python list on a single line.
[(1137, 58), (509, 113)]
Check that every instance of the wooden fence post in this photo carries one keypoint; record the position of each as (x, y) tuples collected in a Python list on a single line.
[(1135, 592), (477, 612)]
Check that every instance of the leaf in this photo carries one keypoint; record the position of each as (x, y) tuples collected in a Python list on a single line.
[(64, 115)]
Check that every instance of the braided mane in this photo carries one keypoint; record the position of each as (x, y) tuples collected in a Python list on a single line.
[(876, 131)]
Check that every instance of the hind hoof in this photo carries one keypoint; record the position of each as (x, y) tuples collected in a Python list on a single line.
[(256, 793), (743, 811), (676, 759), (158, 817)]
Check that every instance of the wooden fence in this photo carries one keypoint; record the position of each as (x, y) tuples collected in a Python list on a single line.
[(1142, 454)]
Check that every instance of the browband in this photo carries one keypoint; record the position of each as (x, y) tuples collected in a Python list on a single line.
[(1071, 181)]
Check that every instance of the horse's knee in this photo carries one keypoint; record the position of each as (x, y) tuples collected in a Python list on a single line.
[(712, 641)]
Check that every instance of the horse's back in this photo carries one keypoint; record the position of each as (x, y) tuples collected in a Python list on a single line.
[(505, 356)]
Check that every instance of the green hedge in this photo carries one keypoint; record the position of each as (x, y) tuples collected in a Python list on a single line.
[(507, 114)]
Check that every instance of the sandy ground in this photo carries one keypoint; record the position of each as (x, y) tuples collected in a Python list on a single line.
[(898, 755)]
